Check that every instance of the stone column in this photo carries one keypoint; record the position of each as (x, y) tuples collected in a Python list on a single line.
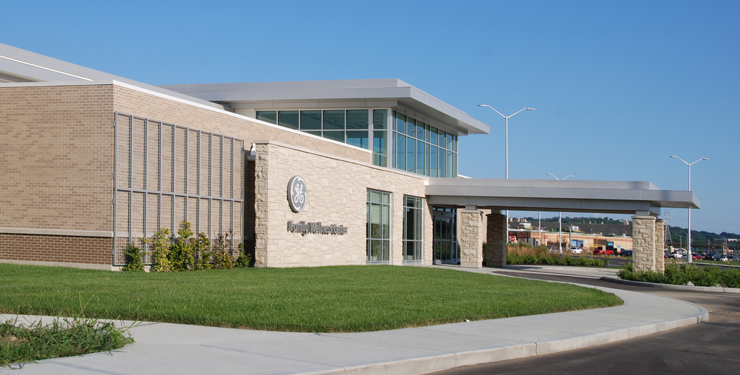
[(659, 245), (471, 247), (643, 241), (496, 240)]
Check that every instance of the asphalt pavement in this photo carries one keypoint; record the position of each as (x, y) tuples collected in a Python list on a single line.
[(710, 347)]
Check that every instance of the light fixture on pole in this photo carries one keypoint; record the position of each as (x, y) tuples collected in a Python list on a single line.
[(507, 151), (560, 220), (691, 258)]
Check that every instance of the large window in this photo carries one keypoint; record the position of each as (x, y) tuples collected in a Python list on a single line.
[(422, 148), (415, 146), (413, 224), (378, 226), (352, 126)]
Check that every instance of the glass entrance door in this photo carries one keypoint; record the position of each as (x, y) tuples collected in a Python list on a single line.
[(445, 236)]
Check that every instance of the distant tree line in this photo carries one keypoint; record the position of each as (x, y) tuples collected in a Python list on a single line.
[(678, 234)]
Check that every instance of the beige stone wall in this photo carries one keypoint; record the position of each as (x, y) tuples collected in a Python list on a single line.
[(659, 245), (337, 194), (471, 252), (643, 235)]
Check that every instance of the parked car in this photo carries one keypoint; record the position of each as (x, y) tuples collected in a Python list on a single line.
[(733, 259), (711, 256), (601, 251), (576, 250), (724, 258), (626, 253), (696, 256)]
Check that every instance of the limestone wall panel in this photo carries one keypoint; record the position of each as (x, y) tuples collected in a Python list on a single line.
[(337, 194)]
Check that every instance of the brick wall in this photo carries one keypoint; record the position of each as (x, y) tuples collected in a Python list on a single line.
[(62, 249), (57, 147), (56, 158), (146, 105)]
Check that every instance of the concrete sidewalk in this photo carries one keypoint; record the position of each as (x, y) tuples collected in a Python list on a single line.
[(163, 348)]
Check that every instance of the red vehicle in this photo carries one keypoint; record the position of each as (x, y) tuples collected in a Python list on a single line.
[(696, 256), (600, 251)]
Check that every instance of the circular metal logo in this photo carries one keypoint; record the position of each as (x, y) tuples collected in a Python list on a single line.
[(297, 193)]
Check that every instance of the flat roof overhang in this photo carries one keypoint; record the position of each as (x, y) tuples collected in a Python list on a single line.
[(324, 94), (618, 197), (21, 66)]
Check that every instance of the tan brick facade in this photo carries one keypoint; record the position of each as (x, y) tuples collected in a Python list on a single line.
[(142, 104), (57, 159), (58, 166)]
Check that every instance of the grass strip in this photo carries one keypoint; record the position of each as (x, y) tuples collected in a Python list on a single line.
[(21, 343), (322, 299)]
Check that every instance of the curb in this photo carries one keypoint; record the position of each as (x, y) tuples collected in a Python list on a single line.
[(711, 289), (443, 362), (522, 267)]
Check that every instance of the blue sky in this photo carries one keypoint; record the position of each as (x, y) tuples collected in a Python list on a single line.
[(618, 86)]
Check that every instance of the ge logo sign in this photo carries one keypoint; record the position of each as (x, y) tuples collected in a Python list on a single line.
[(297, 193)]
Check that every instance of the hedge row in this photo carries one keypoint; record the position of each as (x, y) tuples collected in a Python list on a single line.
[(682, 274), (556, 260)]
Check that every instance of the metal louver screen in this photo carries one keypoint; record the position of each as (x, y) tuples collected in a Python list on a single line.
[(166, 173)]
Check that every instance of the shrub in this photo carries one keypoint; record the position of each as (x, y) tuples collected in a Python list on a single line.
[(161, 251), (133, 259), (222, 257), (182, 255), (682, 274), (189, 251), (203, 252), (523, 253), (243, 260)]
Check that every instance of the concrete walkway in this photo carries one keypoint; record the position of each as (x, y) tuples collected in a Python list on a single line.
[(163, 348)]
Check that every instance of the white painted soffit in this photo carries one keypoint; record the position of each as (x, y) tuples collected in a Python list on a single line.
[(595, 196), (236, 94)]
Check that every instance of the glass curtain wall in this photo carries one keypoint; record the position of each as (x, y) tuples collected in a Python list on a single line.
[(423, 149), (413, 224), (352, 126), (378, 226), (417, 147)]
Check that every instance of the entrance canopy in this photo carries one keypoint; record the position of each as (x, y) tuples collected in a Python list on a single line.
[(618, 197)]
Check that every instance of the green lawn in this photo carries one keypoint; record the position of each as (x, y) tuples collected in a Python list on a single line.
[(325, 299)]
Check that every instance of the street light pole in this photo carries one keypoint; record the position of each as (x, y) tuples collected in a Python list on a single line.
[(560, 220), (691, 258), (506, 118)]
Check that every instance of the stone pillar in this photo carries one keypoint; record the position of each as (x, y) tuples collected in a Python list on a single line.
[(471, 247), (659, 245), (496, 240), (643, 241)]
